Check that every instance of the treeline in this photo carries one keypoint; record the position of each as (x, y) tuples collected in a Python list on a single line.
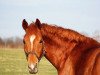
[(12, 42)]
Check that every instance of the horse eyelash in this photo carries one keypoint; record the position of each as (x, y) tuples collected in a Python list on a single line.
[(40, 41)]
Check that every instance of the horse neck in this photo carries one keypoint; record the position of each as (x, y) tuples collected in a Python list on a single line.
[(56, 50), (53, 54)]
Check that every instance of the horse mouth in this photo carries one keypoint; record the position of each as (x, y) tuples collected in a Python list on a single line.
[(33, 71)]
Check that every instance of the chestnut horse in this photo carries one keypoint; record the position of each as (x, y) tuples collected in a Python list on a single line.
[(69, 52)]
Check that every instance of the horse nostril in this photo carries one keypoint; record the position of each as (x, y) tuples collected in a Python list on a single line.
[(29, 67)]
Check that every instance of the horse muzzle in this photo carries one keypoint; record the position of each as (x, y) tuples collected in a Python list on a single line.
[(33, 68)]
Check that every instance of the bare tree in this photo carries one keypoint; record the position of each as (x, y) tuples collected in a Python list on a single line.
[(1, 42), (18, 42)]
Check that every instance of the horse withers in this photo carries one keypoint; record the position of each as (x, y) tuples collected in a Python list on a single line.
[(69, 52)]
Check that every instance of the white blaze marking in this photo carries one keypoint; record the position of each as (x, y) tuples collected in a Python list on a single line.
[(32, 66), (32, 38)]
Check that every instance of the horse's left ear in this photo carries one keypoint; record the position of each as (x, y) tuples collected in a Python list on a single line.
[(38, 23)]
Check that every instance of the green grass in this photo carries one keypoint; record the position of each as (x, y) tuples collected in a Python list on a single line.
[(13, 62)]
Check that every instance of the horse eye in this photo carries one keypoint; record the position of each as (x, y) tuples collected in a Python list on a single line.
[(26, 55), (23, 41), (40, 41)]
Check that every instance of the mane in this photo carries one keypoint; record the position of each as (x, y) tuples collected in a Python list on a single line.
[(62, 33)]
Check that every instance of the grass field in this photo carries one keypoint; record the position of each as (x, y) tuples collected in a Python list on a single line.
[(13, 62)]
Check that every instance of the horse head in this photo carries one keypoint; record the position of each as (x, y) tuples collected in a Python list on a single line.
[(33, 44)]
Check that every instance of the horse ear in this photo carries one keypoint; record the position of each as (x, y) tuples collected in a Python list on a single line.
[(38, 23), (24, 24)]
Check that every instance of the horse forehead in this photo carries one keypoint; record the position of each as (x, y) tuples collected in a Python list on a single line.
[(32, 37)]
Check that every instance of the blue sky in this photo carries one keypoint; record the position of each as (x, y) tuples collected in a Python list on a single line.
[(79, 15)]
